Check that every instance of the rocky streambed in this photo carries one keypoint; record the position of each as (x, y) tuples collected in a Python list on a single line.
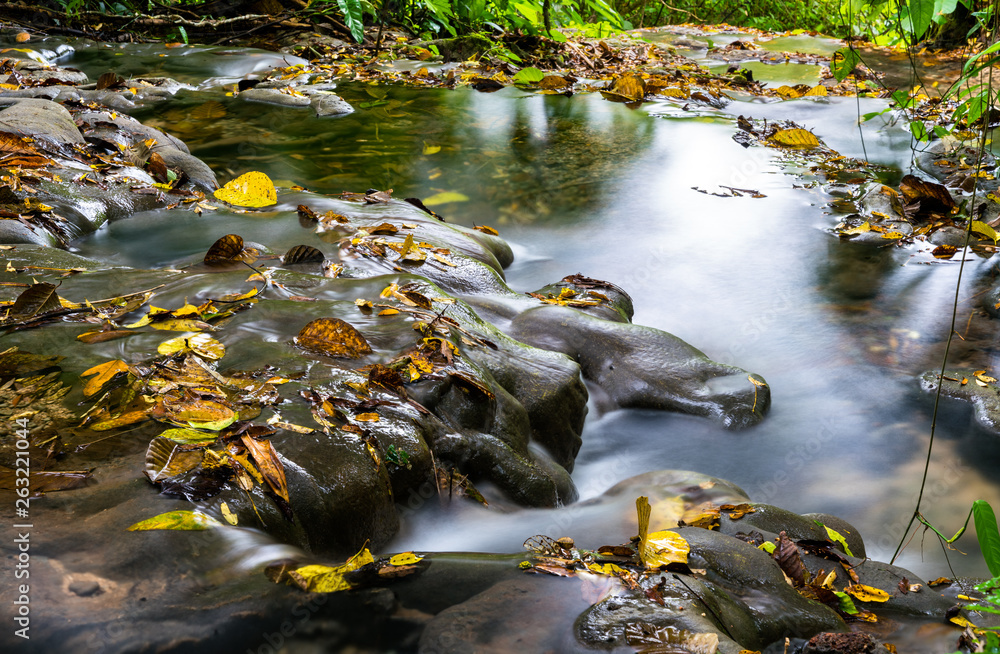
[(319, 395)]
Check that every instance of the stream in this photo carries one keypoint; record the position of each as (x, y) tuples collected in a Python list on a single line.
[(582, 185)]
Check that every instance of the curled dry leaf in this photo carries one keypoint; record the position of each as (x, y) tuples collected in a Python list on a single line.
[(333, 337), (229, 249), (166, 458), (303, 254)]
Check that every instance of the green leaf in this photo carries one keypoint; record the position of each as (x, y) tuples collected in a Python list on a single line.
[(942, 9), (844, 62), (919, 131), (988, 535), (442, 12), (902, 99), (846, 603), (528, 76), (178, 521), (353, 18), (836, 537), (918, 17)]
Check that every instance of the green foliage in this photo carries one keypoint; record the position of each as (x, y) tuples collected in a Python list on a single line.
[(353, 17), (774, 15), (988, 535)]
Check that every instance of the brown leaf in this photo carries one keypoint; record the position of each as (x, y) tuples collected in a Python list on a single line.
[(12, 143), (305, 213), (737, 511), (166, 459), (229, 249), (333, 337), (387, 378), (925, 201), (270, 467), (158, 168), (303, 254), (100, 337), (787, 556), (37, 299), (382, 228), (110, 80)]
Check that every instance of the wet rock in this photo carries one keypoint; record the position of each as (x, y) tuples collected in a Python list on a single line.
[(774, 520), (124, 130), (275, 97), (40, 119), (642, 367), (330, 105), (855, 643), (541, 608), (743, 597), (37, 72), (85, 588), (984, 398)]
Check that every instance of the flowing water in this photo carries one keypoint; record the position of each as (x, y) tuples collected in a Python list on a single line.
[(580, 184)]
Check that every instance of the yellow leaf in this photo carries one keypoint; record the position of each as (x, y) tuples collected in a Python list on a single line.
[(867, 593), (660, 547), (253, 189), (105, 372), (367, 417), (961, 622), (177, 520), (443, 260), (819, 90), (609, 569), (795, 138), (431, 149), (181, 325), (228, 514), (786, 91), (893, 235), (201, 344), (326, 579), (444, 198), (860, 229), (388, 312), (982, 228), (406, 558)]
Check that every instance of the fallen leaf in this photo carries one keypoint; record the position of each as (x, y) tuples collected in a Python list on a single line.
[(333, 337), (794, 138), (867, 593), (104, 372), (253, 189), (177, 520)]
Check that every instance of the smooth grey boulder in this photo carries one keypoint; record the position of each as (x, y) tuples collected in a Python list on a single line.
[(40, 119), (642, 367), (275, 97), (328, 104), (985, 400)]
